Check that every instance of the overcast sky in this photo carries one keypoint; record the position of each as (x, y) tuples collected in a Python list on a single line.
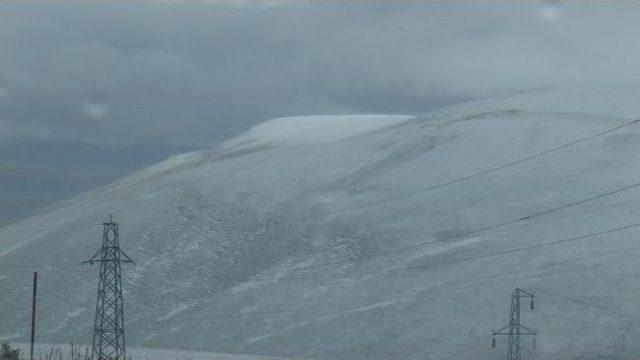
[(197, 72)]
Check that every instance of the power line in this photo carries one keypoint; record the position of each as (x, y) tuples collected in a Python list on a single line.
[(481, 173), (455, 181), (599, 196), (587, 211), (477, 281), (476, 231), (500, 224), (491, 255), (498, 253), (524, 248), (457, 260), (546, 211), (437, 289), (592, 326), (589, 304), (474, 175), (291, 276), (577, 321)]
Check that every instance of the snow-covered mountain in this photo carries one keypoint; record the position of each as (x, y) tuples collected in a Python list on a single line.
[(329, 237)]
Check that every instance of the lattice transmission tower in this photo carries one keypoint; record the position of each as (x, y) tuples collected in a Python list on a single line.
[(514, 329), (108, 331)]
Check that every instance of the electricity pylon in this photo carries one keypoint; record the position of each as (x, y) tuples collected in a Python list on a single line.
[(108, 331), (514, 329)]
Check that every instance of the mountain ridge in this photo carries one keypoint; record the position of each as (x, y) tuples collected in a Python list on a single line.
[(225, 249)]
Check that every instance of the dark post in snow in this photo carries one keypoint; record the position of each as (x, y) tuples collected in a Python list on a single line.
[(514, 329), (33, 312)]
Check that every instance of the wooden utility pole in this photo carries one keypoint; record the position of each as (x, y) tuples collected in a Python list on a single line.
[(33, 312)]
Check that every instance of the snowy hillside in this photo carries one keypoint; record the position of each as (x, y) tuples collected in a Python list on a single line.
[(344, 237)]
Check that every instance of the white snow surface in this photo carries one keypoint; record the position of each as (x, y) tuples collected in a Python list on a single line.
[(142, 353), (264, 245), (306, 130)]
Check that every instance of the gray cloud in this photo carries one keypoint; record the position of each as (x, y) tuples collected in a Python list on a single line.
[(196, 72)]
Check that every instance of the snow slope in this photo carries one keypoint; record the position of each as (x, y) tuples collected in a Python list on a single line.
[(267, 245), (306, 130), (148, 353)]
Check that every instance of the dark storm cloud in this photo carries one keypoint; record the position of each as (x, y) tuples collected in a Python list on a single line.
[(196, 72)]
